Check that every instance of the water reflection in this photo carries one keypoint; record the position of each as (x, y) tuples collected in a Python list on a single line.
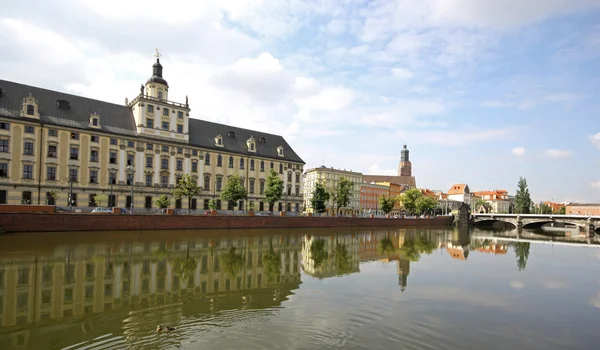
[(115, 292)]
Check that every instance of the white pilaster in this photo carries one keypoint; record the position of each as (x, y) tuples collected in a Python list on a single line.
[(172, 170), (156, 168), (122, 165)]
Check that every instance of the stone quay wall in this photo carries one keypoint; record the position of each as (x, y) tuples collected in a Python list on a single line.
[(41, 222)]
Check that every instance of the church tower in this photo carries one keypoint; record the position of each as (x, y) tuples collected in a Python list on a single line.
[(405, 167)]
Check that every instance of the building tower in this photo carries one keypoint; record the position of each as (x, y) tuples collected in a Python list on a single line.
[(405, 167), (403, 270)]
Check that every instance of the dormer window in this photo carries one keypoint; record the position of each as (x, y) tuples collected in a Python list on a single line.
[(63, 104), (251, 143), (219, 141), (231, 134), (94, 120), (30, 109), (280, 151), (262, 140)]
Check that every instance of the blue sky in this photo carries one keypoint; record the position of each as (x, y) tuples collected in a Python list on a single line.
[(481, 91)]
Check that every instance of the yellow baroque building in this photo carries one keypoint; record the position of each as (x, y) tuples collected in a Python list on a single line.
[(77, 147)]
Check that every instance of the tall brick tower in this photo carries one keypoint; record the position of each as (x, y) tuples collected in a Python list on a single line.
[(405, 167)]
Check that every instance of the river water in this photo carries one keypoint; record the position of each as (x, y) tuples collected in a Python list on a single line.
[(300, 289)]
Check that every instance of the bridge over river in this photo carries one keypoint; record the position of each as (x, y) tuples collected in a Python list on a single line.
[(587, 223)]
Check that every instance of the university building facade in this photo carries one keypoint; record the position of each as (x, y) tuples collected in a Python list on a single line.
[(77, 147)]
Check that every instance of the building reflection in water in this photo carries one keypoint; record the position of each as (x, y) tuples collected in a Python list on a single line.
[(62, 289)]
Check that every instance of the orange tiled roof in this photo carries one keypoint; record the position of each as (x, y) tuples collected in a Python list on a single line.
[(457, 189), (428, 193)]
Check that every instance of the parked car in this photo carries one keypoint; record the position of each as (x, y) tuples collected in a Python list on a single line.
[(102, 210)]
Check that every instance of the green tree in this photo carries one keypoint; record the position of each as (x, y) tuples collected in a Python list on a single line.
[(545, 209), (185, 267), (188, 187), (319, 199), (271, 263), (415, 245), (99, 199), (409, 200), (232, 262), (163, 201), (481, 203), (386, 204), (386, 246), (234, 190), (274, 189), (562, 210), (425, 204), (343, 192), (522, 198), (522, 253), (212, 204), (318, 252)]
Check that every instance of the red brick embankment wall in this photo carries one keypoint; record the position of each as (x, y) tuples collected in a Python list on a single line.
[(37, 222)]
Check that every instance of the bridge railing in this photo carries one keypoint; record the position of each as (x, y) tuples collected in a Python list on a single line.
[(561, 216)]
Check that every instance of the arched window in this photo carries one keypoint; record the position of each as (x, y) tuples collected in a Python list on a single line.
[(219, 160), (262, 165), (281, 168), (241, 163), (207, 159), (231, 162), (251, 164)]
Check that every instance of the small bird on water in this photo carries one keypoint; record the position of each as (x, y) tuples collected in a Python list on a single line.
[(167, 329)]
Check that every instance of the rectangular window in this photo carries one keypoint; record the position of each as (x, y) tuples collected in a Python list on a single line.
[(164, 181), (149, 146), (30, 110), (94, 155), (179, 164), (74, 199), (262, 166), (130, 159), (113, 142), (52, 151), (51, 173), (149, 180), (29, 129), (95, 138), (112, 178), (251, 190), (297, 190), (252, 164), (4, 146), (150, 123), (194, 167), (207, 182), (74, 136), (150, 108), (164, 163), (289, 177), (93, 176), (180, 128), (28, 148), (165, 126), (130, 144), (206, 159), (148, 202), (297, 177), (3, 169), (219, 183), (241, 163), (73, 174), (166, 112), (4, 126), (219, 160), (180, 114), (74, 153), (52, 132), (262, 187), (165, 148), (2, 201), (231, 162), (27, 171), (26, 197), (95, 121), (149, 161), (179, 150), (194, 152), (112, 159)]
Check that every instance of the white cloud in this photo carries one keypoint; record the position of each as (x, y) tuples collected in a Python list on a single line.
[(375, 169), (455, 137), (557, 153), (595, 184), (562, 97), (328, 99), (518, 151), (516, 284), (493, 104), (402, 73), (336, 26), (595, 300), (595, 140)]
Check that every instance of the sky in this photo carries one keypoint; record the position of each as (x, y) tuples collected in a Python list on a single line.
[(482, 92)]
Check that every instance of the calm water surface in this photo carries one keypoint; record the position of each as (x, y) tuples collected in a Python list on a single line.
[(274, 289)]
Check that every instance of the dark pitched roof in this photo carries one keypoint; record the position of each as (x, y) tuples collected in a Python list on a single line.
[(203, 133), (116, 119)]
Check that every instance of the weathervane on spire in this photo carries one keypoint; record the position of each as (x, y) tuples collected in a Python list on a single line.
[(157, 54)]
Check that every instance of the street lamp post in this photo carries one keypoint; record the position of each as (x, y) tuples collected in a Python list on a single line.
[(110, 201), (131, 173), (70, 193)]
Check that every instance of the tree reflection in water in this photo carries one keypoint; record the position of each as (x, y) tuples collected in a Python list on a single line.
[(185, 267), (318, 252), (272, 263), (522, 252), (342, 260), (232, 262), (416, 245)]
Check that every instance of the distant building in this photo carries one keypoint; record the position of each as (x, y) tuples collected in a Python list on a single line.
[(369, 196), (498, 200), (556, 207), (404, 176), (460, 193), (591, 209), (330, 177)]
